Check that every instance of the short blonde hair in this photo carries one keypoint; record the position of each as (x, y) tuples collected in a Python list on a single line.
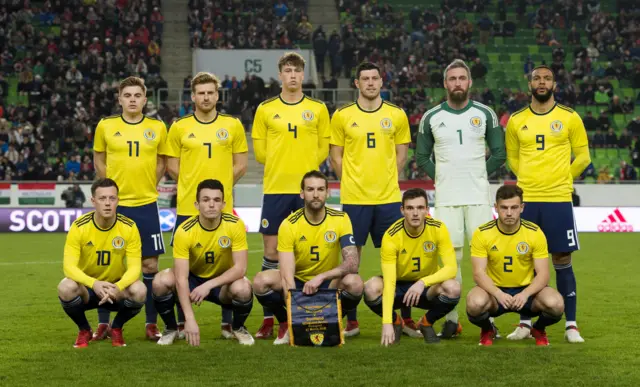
[(202, 78), (132, 81), (292, 59), (457, 64)]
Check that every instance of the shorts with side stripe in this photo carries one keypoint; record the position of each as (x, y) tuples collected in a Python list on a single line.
[(557, 222), (147, 219)]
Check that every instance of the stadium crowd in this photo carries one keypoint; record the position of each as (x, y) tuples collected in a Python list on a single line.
[(68, 57)]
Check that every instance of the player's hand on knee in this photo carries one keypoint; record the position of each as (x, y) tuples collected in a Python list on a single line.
[(504, 299), (103, 289), (192, 332), (388, 335), (199, 294), (311, 287), (412, 297), (518, 301)]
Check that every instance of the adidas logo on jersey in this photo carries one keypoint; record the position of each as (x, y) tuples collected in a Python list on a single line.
[(192, 136), (404, 251), (354, 125), (494, 248), (615, 222), (198, 245), (442, 125), (276, 117), (303, 239), (89, 244), (524, 128), (117, 134)]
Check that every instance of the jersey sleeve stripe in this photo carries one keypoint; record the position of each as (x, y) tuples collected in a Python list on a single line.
[(230, 218), (189, 224), (520, 111), (397, 226), (296, 215), (426, 116), (315, 100), (494, 117), (332, 212), (488, 225), (346, 106), (392, 105), (563, 107), (184, 118), (82, 221), (432, 222), (266, 101)]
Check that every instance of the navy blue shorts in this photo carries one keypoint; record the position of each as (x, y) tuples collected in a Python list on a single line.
[(402, 287), (527, 309), (275, 209), (214, 294), (148, 221), (94, 300), (557, 223), (371, 219), (179, 220)]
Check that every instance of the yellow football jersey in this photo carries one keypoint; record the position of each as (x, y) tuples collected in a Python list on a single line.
[(93, 254), (369, 169), (510, 255), (316, 247), (205, 151), (406, 257), (543, 143), (132, 151), (209, 251), (292, 132)]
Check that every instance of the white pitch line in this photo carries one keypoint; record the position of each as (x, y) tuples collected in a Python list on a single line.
[(60, 262)]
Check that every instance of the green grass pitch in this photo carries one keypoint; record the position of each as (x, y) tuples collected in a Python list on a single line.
[(36, 336)]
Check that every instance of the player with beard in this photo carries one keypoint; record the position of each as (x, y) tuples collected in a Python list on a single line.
[(369, 143), (456, 132), (310, 243), (290, 137), (540, 140), (205, 145)]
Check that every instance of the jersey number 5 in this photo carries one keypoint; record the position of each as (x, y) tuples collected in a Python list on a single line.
[(315, 254)]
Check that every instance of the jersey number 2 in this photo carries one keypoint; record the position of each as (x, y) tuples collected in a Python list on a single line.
[(508, 261)]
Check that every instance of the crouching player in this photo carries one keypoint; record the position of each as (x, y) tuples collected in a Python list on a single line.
[(310, 242), (210, 262), (505, 253), (410, 272), (97, 247)]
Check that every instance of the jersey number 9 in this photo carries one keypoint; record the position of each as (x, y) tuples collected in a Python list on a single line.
[(540, 141)]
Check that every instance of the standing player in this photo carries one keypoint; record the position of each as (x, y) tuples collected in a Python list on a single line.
[(111, 279), (210, 263), (130, 148), (410, 273), (310, 243), (290, 137), (540, 140), (369, 143), (206, 145), (504, 254), (456, 131)]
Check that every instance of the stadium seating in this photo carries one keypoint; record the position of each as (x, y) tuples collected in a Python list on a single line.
[(76, 60), (503, 55)]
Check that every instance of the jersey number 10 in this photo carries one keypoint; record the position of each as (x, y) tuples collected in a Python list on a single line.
[(104, 258)]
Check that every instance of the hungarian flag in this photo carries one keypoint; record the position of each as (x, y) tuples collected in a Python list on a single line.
[(5, 193), (30, 194)]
